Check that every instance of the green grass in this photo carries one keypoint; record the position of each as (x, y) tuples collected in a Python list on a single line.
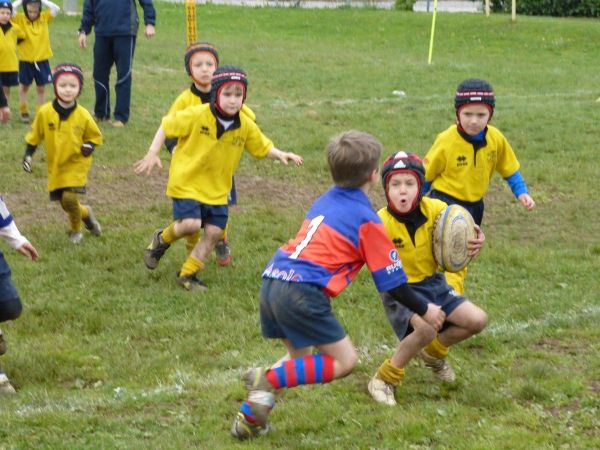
[(110, 355)]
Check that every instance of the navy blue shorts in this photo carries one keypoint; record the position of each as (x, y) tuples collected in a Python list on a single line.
[(9, 79), (38, 71), (56, 195), (184, 208), (299, 312), (433, 290)]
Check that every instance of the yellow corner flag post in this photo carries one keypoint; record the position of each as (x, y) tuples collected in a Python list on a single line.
[(432, 31), (190, 21)]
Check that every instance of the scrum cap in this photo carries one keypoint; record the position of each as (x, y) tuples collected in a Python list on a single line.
[(474, 90)]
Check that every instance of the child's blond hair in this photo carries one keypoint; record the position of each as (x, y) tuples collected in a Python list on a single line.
[(352, 156)]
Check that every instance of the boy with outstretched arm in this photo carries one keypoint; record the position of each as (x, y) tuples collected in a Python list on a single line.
[(201, 60), (211, 140), (34, 50), (70, 135), (340, 234), (408, 219), (463, 158)]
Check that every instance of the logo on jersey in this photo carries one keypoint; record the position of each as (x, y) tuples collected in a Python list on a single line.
[(396, 263), (276, 274), (461, 161), (204, 130), (398, 242)]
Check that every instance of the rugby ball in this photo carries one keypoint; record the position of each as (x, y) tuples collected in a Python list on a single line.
[(452, 230)]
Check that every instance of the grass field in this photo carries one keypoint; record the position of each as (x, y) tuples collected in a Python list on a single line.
[(110, 355)]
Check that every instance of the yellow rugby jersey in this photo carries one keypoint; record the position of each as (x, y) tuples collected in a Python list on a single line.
[(202, 166), (417, 259), (67, 167), (8, 48), (187, 98), (36, 46), (453, 167)]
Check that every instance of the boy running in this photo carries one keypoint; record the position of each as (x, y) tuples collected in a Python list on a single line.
[(211, 140), (70, 136)]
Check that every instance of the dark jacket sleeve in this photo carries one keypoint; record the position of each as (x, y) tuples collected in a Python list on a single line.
[(405, 295), (149, 12), (87, 18)]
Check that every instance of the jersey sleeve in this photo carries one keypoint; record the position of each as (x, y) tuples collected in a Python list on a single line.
[(36, 134), (180, 123), (381, 257), (507, 163), (257, 144), (92, 133)]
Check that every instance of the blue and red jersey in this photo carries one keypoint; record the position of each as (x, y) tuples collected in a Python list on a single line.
[(340, 234)]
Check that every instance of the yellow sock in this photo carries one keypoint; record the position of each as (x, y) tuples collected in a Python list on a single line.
[(84, 212), (23, 108), (168, 234), (70, 204), (436, 349), (390, 374), (191, 241), (224, 234), (191, 266)]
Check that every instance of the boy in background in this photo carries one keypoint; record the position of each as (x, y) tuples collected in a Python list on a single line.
[(463, 158), (201, 60), (10, 35), (408, 219), (340, 234), (10, 302), (34, 50), (211, 140), (70, 136)]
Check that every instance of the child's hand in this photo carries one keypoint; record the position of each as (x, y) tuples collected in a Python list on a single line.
[(474, 245), (29, 251), (4, 114), (26, 164), (147, 164), (527, 201), (434, 316), (289, 156), (87, 149)]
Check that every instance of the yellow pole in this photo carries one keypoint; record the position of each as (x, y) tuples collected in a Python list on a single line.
[(514, 10), (190, 21), (487, 8), (432, 31)]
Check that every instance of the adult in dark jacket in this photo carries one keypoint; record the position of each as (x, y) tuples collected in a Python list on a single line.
[(116, 25)]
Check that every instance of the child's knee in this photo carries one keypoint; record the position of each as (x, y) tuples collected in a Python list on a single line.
[(11, 309), (424, 332), (347, 363), (191, 226), (478, 322)]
